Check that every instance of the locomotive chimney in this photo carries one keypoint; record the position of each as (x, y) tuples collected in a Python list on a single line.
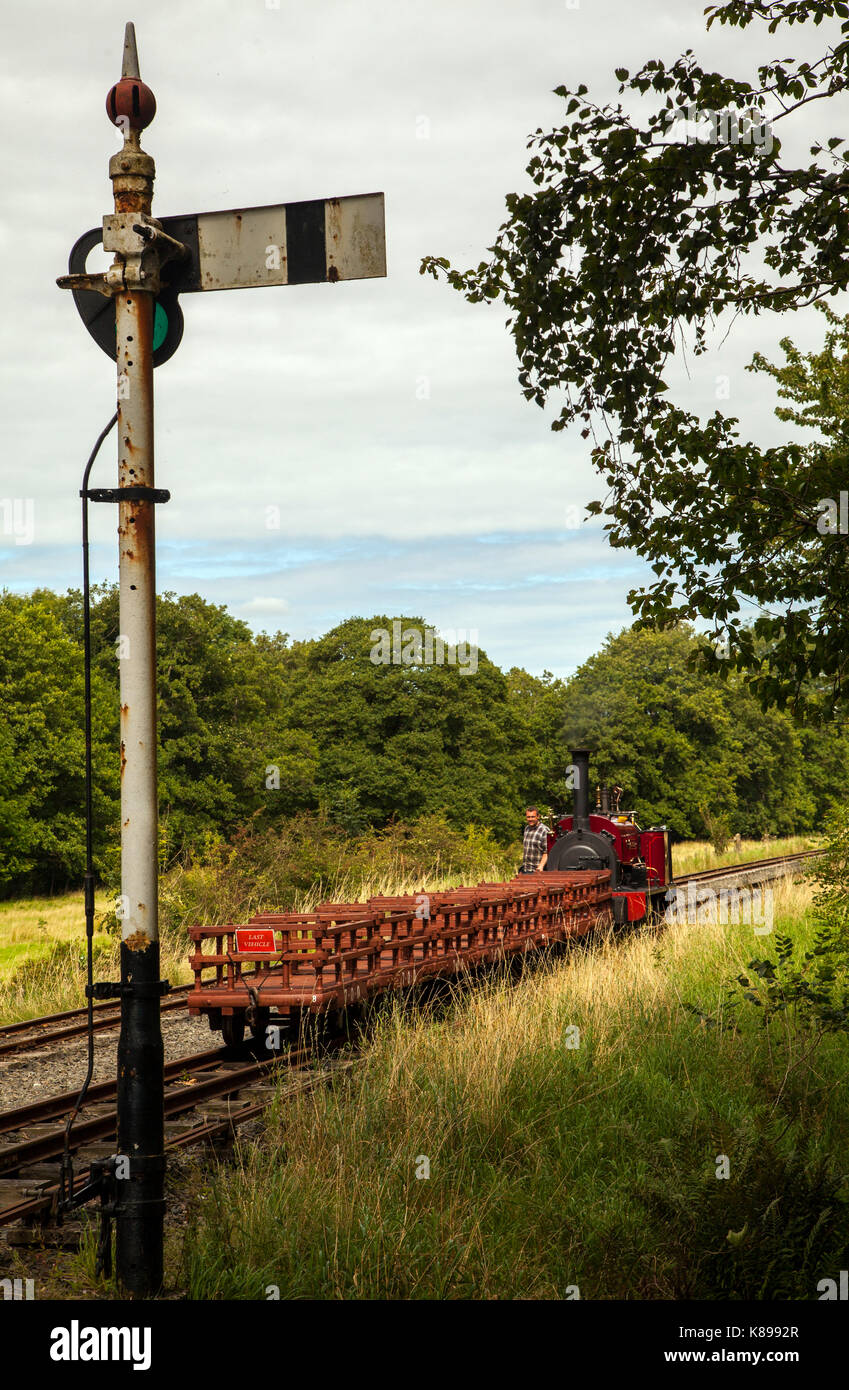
[(581, 772)]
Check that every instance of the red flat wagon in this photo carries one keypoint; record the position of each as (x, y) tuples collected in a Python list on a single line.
[(342, 954)]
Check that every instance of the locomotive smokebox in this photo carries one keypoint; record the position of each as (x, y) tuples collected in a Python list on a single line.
[(581, 787)]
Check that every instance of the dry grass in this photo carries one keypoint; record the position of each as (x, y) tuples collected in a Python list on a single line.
[(388, 884), (692, 855)]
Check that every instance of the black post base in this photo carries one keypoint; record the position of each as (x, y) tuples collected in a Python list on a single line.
[(140, 1162)]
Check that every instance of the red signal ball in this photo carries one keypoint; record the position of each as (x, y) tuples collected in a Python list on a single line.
[(131, 100)]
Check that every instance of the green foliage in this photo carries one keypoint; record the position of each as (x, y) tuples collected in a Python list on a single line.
[(831, 874), (692, 751), (809, 991), (220, 710), (718, 828), (413, 740), (639, 234), (42, 749), (767, 1232)]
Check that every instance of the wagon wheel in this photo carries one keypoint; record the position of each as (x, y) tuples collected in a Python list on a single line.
[(233, 1029)]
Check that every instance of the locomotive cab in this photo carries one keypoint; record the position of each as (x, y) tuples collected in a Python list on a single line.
[(639, 861)]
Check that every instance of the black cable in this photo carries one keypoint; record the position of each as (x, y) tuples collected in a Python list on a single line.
[(67, 1175)]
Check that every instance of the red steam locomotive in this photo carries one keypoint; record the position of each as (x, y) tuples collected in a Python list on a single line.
[(639, 861)]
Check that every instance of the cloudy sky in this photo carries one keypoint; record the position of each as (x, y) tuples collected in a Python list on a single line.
[(383, 418)]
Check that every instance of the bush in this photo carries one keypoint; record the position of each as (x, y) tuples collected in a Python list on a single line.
[(809, 991), (718, 829), (301, 861), (766, 1233)]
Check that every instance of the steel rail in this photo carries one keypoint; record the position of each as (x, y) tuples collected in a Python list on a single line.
[(747, 866), (111, 1019), (111, 1016), (56, 1107), (45, 1146), (206, 1129)]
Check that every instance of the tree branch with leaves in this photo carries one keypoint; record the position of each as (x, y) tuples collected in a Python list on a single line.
[(638, 235)]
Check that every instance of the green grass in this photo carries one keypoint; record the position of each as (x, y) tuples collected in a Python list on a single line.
[(10, 956), (553, 1168), (42, 955), (34, 923)]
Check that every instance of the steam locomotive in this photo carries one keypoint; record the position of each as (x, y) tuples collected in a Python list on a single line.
[(639, 861)]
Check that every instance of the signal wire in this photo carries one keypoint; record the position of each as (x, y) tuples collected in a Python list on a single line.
[(66, 1190)]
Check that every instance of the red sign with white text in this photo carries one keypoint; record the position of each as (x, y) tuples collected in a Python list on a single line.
[(255, 941)]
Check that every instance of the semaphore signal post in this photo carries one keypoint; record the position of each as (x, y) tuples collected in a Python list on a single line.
[(132, 312)]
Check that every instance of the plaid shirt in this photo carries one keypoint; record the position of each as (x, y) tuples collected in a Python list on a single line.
[(534, 845)]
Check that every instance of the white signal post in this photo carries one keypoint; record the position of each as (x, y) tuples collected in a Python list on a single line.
[(141, 248), (330, 240), (139, 1198)]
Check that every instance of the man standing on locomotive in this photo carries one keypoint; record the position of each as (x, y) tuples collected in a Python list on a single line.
[(534, 843)]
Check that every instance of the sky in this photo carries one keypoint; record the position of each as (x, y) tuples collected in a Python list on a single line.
[(350, 449)]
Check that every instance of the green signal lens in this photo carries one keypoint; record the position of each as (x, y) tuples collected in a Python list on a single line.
[(160, 326)]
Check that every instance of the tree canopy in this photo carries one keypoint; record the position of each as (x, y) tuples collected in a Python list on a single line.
[(261, 731), (646, 230), (691, 751), (42, 749)]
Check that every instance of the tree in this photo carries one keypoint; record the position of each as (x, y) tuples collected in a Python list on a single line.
[(42, 749), (690, 748), (639, 231), (17, 836), (226, 748), (405, 739), (537, 704)]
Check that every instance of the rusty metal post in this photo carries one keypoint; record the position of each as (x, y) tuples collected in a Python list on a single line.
[(139, 1198)]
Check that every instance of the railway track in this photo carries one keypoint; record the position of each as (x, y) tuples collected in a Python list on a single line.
[(33, 1033), (752, 871), (32, 1137)]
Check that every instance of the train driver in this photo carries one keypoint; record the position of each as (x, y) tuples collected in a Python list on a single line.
[(534, 842)]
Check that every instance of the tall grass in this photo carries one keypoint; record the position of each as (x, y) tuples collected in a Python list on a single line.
[(54, 980), (574, 1124), (292, 866), (692, 855)]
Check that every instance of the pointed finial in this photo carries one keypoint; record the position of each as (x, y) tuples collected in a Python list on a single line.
[(131, 53), (130, 103)]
